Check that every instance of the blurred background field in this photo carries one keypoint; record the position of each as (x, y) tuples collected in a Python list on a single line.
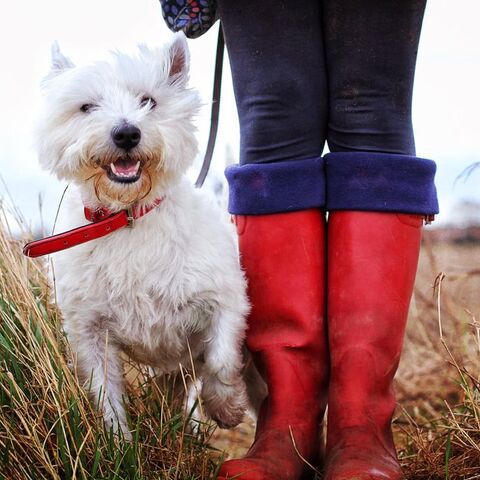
[(438, 383)]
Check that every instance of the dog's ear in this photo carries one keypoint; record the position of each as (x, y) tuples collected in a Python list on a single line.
[(179, 59), (60, 62)]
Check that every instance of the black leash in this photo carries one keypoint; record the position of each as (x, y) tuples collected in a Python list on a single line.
[(214, 116)]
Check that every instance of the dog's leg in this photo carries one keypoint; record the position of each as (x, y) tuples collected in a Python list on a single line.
[(223, 393), (100, 366), (257, 389)]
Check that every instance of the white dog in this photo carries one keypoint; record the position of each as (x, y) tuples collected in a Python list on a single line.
[(170, 288)]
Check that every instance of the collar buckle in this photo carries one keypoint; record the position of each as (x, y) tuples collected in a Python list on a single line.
[(130, 217)]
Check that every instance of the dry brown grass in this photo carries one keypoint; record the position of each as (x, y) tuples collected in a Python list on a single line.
[(48, 427), (49, 430), (438, 381)]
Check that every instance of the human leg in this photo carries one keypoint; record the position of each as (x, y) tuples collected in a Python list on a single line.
[(284, 259), (276, 194), (278, 71), (378, 193), (372, 261), (371, 49)]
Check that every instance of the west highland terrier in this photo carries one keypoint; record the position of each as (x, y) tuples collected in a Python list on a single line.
[(170, 289)]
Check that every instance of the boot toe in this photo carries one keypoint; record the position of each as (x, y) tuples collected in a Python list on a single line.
[(247, 469), (355, 464)]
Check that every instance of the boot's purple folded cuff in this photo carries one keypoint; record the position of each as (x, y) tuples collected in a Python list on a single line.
[(381, 182), (263, 188)]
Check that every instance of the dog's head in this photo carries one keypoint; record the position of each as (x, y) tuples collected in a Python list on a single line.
[(122, 129)]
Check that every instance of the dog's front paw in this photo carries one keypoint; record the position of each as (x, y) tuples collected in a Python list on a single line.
[(225, 403), (228, 417)]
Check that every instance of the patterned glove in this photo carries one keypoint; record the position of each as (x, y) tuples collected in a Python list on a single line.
[(192, 17)]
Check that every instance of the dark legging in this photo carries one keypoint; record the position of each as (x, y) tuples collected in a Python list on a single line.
[(315, 70)]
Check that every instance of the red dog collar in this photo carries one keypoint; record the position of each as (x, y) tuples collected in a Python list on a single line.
[(104, 223)]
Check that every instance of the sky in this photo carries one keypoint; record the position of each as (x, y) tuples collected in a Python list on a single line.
[(446, 104)]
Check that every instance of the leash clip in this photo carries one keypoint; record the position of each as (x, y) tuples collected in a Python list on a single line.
[(130, 217)]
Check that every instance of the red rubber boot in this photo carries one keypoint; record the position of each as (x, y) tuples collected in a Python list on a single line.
[(372, 262), (283, 256)]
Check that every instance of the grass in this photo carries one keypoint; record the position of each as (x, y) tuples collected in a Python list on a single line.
[(438, 430), (48, 427)]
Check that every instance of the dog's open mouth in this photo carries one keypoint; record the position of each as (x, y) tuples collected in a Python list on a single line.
[(124, 170)]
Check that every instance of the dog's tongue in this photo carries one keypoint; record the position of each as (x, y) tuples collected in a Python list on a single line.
[(125, 167)]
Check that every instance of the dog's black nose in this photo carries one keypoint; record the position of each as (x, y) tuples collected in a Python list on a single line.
[(126, 136)]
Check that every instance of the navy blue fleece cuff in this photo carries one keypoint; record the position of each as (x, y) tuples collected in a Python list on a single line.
[(262, 188), (380, 182)]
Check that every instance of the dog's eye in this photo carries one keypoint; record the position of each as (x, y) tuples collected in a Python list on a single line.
[(88, 107), (148, 100)]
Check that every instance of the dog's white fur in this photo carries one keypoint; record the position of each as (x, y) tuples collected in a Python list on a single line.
[(171, 285)]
